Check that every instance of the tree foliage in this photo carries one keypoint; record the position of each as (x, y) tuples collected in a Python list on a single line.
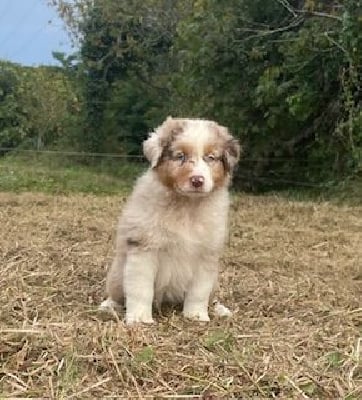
[(280, 76), (124, 55), (285, 76), (38, 106), (13, 127)]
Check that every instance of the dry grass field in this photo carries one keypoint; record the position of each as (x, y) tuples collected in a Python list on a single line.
[(292, 273)]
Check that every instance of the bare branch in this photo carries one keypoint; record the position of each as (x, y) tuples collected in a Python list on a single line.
[(334, 42), (293, 24), (319, 14), (286, 5), (294, 11)]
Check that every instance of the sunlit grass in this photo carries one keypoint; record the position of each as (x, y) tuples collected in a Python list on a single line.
[(63, 175)]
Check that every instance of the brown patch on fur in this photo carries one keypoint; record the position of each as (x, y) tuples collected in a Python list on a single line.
[(172, 174), (169, 130), (153, 147), (214, 147), (163, 170), (231, 147), (186, 147), (218, 170), (171, 150), (232, 153), (219, 174), (224, 146)]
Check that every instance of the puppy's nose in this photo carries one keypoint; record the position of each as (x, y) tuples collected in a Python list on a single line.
[(197, 181)]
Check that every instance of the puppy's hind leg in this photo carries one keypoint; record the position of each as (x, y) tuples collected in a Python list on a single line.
[(139, 280), (114, 284)]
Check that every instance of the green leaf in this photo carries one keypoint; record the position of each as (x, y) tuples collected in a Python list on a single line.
[(146, 355), (335, 359), (220, 338)]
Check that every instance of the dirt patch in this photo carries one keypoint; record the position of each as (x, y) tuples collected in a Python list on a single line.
[(292, 273)]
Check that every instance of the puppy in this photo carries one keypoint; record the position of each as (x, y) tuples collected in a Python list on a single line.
[(173, 227)]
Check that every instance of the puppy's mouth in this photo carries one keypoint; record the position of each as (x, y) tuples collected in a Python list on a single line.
[(192, 192)]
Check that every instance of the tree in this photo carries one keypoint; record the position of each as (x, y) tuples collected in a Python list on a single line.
[(13, 127), (38, 106), (272, 71), (50, 103), (283, 75), (124, 50)]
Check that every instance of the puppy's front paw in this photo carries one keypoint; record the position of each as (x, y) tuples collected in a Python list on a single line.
[(137, 318), (198, 315)]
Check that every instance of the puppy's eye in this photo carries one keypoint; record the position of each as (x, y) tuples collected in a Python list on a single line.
[(210, 158), (180, 156)]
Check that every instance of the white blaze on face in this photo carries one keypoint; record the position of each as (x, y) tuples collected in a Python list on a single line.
[(198, 133), (202, 169)]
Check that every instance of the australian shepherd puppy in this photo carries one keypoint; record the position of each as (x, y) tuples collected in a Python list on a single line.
[(173, 227)]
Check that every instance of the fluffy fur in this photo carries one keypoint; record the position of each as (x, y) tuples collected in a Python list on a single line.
[(173, 227)]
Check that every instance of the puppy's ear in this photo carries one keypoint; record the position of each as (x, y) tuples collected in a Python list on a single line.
[(152, 149), (232, 153), (161, 138), (232, 148)]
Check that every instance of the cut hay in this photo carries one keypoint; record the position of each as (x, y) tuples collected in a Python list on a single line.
[(292, 275)]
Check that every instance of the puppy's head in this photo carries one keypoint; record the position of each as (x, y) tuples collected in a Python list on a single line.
[(192, 157)]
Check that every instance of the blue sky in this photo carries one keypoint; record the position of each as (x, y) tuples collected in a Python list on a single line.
[(29, 31)]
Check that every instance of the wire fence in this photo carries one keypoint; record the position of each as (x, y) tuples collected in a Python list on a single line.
[(55, 165), (4, 150), (140, 157)]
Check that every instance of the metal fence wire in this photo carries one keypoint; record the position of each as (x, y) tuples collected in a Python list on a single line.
[(130, 166)]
